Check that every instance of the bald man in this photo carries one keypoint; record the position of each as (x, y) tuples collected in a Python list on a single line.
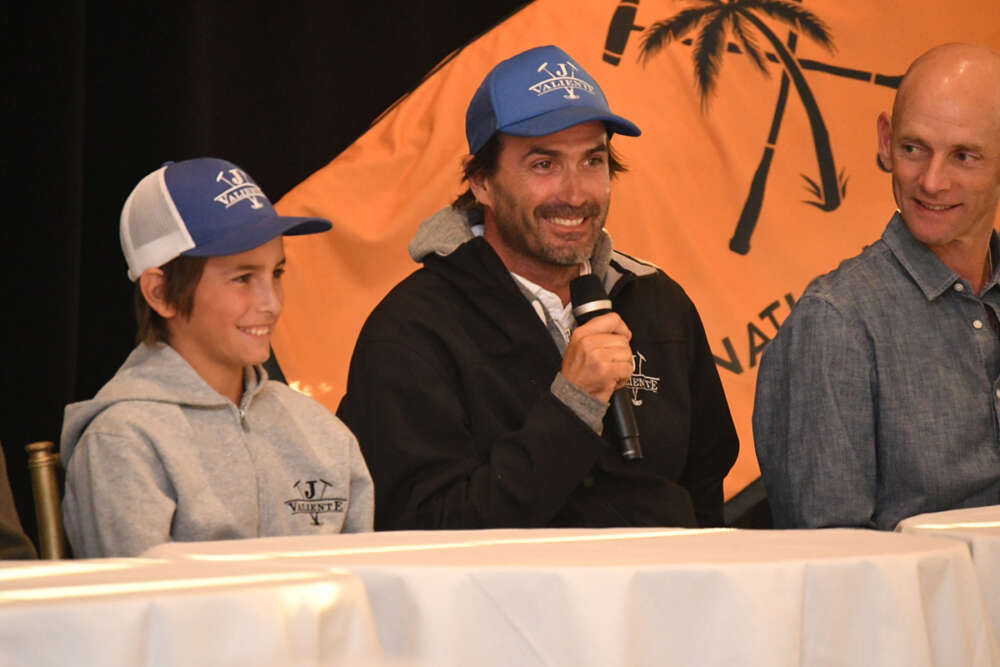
[(880, 396)]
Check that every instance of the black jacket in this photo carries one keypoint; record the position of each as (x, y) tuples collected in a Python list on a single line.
[(449, 396)]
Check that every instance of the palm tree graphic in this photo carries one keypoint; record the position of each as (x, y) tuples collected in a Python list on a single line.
[(709, 46)]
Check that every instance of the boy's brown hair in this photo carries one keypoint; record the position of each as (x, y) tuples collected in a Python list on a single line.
[(181, 276)]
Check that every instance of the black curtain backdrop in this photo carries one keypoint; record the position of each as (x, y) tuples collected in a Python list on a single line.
[(98, 95)]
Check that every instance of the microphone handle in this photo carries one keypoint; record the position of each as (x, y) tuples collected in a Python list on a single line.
[(624, 418)]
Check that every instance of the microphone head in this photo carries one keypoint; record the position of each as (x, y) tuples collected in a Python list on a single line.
[(585, 289), (588, 297)]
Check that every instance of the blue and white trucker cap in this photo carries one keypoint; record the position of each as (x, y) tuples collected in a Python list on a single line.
[(537, 92), (203, 207)]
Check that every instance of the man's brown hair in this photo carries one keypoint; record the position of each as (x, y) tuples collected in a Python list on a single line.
[(181, 276)]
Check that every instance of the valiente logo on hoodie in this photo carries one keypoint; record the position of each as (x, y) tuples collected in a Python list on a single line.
[(312, 499)]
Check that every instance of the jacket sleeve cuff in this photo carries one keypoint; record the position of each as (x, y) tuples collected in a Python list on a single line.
[(590, 410)]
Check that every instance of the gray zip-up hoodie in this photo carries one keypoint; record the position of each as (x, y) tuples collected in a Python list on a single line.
[(158, 455)]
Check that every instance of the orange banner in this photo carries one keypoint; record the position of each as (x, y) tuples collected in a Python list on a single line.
[(742, 196)]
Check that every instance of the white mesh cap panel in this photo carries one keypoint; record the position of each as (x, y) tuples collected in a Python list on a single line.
[(152, 231)]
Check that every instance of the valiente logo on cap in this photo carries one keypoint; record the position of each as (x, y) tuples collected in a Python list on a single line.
[(562, 76), (240, 188)]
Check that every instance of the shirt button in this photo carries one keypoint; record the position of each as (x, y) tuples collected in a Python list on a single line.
[(998, 393), (977, 324), (959, 287)]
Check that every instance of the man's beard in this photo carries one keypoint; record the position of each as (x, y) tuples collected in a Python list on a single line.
[(524, 234)]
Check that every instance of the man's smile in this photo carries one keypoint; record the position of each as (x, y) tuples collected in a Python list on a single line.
[(565, 222), (935, 207)]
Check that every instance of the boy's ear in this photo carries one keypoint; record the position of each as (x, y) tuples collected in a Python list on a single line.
[(154, 289)]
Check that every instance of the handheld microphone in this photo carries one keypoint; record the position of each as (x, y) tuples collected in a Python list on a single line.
[(590, 300)]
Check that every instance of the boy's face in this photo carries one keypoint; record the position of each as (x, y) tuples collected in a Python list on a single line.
[(236, 305)]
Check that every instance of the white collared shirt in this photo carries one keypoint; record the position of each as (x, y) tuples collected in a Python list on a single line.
[(561, 315), (546, 301)]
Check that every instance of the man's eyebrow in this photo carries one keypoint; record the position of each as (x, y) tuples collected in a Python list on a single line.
[(970, 148), (541, 150), (910, 139), (551, 152), (961, 147)]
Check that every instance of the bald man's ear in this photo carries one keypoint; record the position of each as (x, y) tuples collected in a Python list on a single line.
[(480, 185), (154, 290), (885, 141)]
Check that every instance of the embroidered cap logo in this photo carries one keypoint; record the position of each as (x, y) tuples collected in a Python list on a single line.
[(240, 188), (562, 76)]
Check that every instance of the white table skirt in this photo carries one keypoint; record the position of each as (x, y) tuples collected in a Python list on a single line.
[(979, 527), (133, 612), (652, 597)]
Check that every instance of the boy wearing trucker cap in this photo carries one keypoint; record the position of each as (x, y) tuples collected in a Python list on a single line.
[(190, 440)]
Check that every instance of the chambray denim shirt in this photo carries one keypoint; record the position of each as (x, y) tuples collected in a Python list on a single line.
[(879, 397)]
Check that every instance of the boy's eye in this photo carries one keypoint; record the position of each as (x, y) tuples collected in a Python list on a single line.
[(279, 272), (543, 164), (243, 278)]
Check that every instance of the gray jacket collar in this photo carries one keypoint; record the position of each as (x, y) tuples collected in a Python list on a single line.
[(154, 373)]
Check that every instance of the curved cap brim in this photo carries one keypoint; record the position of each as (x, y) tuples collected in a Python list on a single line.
[(248, 236), (561, 119)]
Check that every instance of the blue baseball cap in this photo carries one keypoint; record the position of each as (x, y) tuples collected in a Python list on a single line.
[(537, 92), (203, 207)]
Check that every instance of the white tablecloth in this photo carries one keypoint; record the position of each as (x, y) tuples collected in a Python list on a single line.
[(979, 527), (652, 597), (133, 612)]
